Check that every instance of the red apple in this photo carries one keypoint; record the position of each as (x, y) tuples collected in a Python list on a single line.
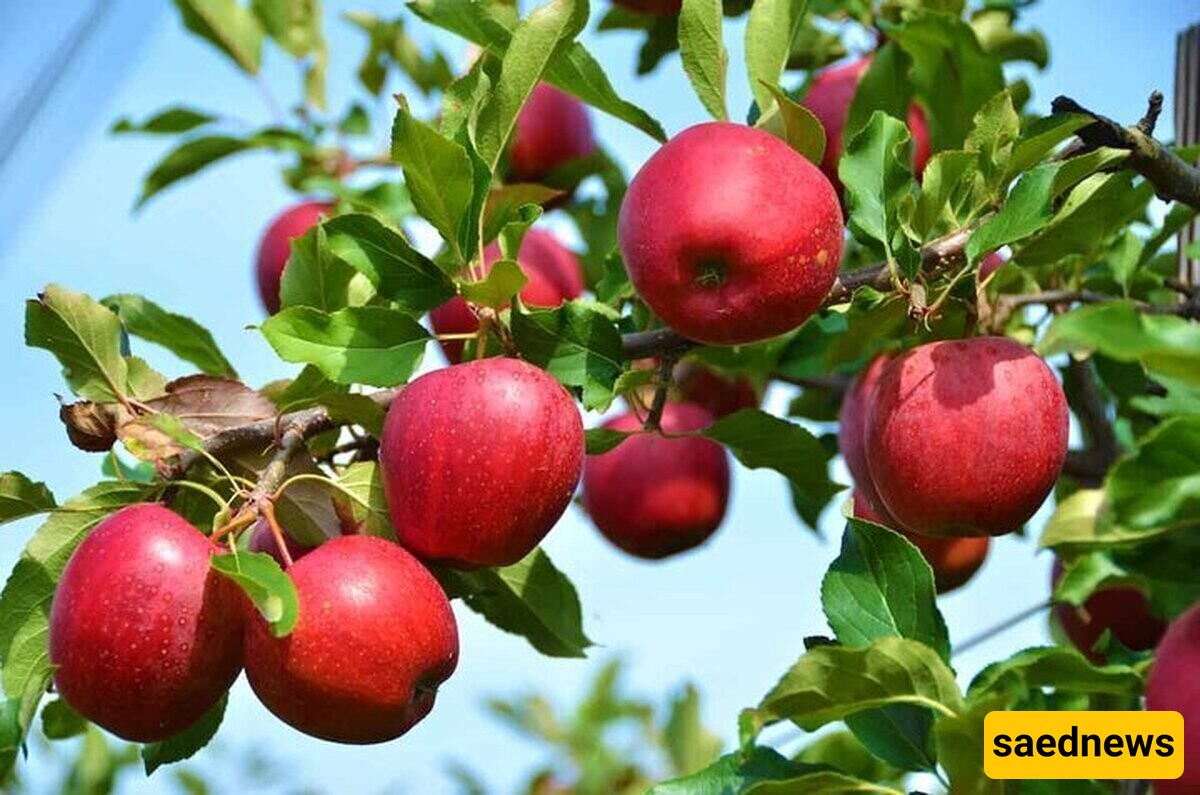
[(479, 461), (716, 394), (966, 437), (658, 8), (374, 639), (276, 246), (729, 235), (553, 129), (991, 263), (954, 560), (263, 540), (829, 97), (654, 496), (852, 425), (1174, 686), (144, 636), (1124, 610), (554, 273)]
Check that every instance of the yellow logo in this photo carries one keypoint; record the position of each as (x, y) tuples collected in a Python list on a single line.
[(1107, 745)]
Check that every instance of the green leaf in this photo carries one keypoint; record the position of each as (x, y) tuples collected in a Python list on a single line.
[(178, 119), (601, 440), (572, 68), (506, 204), (364, 480), (440, 179), (1096, 209), (181, 335), (885, 86), (399, 273), (1165, 345), (877, 173), (735, 773), (770, 28), (25, 601), (946, 186), (1065, 670), (315, 277), (1040, 138), (881, 586), (759, 440), (534, 42), (829, 682), (843, 751), (358, 345), (1158, 485), (1075, 520), (227, 25), (266, 585), (21, 497), (576, 344), (185, 744), (60, 722), (84, 336), (702, 49), (997, 126), (795, 125), (294, 24), (1025, 211), (688, 744), (497, 289), (355, 409), (530, 598)]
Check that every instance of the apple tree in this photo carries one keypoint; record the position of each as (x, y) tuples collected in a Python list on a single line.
[(945, 277)]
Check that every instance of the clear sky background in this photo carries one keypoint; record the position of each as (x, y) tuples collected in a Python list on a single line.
[(730, 617)]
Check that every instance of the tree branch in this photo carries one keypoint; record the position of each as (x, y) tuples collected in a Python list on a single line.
[(1089, 466), (1174, 179)]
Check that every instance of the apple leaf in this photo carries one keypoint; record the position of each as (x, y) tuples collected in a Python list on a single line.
[(266, 585), (884, 86), (770, 29), (1166, 345), (227, 25), (1099, 206), (575, 343), (356, 409), (399, 272), (601, 440), (506, 204), (358, 345), (876, 170), (314, 277), (572, 68), (881, 586), (829, 683), (181, 335), (535, 40), (21, 497), (504, 280), (1039, 139), (760, 440), (996, 129), (1158, 485), (702, 48), (178, 119), (440, 178), (84, 336), (1064, 670), (950, 197), (60, 722), (796, 126), (1026, 210), (530, 598), (689, 745), (364, 480), (25, 669), (738, 772), (185, 744)]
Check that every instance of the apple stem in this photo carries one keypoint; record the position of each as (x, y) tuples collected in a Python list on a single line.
[(268, 511), (666, 366)]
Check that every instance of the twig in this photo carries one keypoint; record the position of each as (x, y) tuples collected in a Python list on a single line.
[(1092, 464), (1174, 179), (666, 366), (1003, 626)]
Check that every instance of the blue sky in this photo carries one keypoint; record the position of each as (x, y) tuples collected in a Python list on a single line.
[(729, 617)]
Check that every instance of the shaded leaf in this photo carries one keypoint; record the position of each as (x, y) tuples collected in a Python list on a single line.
[(576, 344), (181, 335), (384, 256), (185, 744), (266, 585)]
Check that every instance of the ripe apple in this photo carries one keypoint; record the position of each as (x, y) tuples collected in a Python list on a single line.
[(655, 496), (1124, 610), (1173, 685), (966, 437), (554, 274), (991, 263), (374, 639), (954, 560), (716, 394), (730, 235), (658, 8), (852, 425), (276, 246), (263, 540), (144, 636), (829, 99), (479, 461), (553, 129)]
